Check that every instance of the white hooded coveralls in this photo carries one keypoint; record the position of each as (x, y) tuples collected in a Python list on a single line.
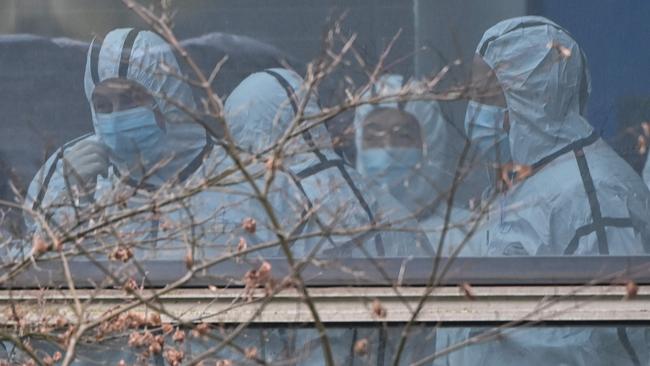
[(582, 198)]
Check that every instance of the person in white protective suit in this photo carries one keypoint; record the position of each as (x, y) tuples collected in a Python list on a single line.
[(146, 150), (311, 192), (390, 155), (142, 142), (569, 193), (438, 159), (419, 173), (576, 196), (260, 111)]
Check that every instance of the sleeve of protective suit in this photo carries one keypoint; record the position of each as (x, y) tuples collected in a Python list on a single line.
[(51, 194), (41, 191)]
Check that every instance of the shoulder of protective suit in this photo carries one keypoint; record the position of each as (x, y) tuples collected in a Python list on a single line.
[(54, 157)]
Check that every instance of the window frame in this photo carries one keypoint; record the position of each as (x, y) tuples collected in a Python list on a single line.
[(494, 271), (348, 305)]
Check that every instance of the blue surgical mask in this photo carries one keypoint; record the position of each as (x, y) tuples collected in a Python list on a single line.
[(132, 135), (484, 126), (380, 163), (399, 172)]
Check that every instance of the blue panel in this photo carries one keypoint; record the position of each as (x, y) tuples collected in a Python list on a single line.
[(615, 35)]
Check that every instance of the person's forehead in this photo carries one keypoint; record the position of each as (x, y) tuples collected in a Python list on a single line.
[(389, 119), (117, 86), (391, 127)]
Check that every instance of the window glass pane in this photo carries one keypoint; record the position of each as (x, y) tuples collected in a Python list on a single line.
[(226, 272), (620, 344), (193, 130)]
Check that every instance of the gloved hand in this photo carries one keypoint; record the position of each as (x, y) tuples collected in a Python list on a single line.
[(83, 162)]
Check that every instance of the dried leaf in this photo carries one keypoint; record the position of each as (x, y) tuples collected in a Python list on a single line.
[(645, 126), (166, 224), (134, 320), (179, 336), (154, 320), (174, 357), (378, 310), (201, 329), (249, 224), (167, 328), (130, 285), (39, 246), (631, 289), (250, 282), (564, 51), (467, 291), (148, 338), (58, 245), (242, 245), (155, 348), (136, 340), (189, 260), (48, 361), (641, 145), (512, 174), (61, 322), (121, 253), (264, 272), (361, 347), (251, 353), (269, 164)]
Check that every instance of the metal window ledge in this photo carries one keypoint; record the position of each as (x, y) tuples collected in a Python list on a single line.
[(352, 305), (567, 270)]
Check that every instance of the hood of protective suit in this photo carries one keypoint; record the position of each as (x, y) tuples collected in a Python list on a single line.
[(145, 58), (259, 111), (545, 80), (439, 140)]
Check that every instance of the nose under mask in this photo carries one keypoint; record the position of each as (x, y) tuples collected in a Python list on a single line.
[(399, 171), (484, 125), (132, 135), (381, 163)]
